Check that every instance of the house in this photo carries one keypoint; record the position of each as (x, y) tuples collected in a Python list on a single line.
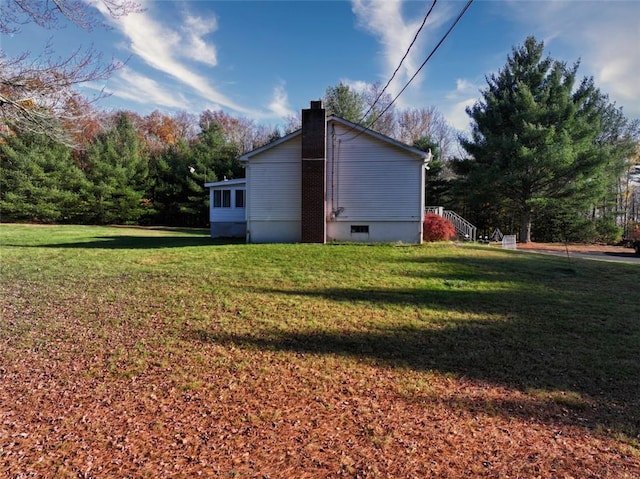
[(332, 180)]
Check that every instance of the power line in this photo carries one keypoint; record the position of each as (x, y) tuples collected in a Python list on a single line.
[(433, 51), (424, 21), (462, 12)]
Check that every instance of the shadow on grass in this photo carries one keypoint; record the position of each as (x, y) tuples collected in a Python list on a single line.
[(543, 334), (139, 242)]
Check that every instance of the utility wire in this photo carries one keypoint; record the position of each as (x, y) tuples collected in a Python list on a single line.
[(433, 51), (424, 21)]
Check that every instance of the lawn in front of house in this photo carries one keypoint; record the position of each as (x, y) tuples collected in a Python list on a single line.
[(137, 352)]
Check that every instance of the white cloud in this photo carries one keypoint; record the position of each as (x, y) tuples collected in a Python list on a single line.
[(456, 114), (166, 50), (357, 85), (385, 20), (279, 104), (604, 35), (464, 87), (130, 85), (464, 95), (196, 48)]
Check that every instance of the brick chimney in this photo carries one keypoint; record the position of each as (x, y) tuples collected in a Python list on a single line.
[(314, 127)]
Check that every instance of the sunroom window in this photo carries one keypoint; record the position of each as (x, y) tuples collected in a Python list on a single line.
[(222, 199)]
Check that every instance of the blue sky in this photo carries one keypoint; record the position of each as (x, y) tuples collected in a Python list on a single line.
[(266, 59)]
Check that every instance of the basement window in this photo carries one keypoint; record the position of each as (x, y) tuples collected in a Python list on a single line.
[(359, 229)]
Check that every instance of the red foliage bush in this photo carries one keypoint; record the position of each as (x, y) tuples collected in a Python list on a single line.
[(437, 228)]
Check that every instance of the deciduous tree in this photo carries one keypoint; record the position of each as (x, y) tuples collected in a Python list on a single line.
[(381, 115), (416, 123), (242, 132), (35, 91), (344, 102)]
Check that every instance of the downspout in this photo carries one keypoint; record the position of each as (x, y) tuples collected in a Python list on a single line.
[(333, 171), (336, 209), (339, 209), (335, 176)]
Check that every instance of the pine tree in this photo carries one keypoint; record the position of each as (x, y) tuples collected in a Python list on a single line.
[(535, 136), (211, 158), (39, 181), (177, 187), (118, 171)]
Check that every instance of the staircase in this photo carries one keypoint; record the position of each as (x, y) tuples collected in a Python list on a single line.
[(465, 230)]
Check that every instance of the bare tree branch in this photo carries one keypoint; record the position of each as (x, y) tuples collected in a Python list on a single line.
[(34, 92), (416, 123), (48, 13)]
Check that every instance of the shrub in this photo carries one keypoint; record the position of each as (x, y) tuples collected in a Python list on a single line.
[(437, 228), (607, 231)]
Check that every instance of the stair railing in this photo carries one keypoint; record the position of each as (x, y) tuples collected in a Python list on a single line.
[(465, 229)]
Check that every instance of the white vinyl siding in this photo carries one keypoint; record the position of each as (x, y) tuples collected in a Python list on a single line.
[(274, 196), (275, 192), (371, 179)]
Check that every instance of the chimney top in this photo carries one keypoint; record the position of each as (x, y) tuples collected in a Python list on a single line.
[(316, 105)]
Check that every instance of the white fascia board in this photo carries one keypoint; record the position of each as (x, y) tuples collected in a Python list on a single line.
[(234, 182), (422, 155), (268, 146)]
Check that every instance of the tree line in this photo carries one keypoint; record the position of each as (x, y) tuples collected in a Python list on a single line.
[(120, 167), (123, 168)]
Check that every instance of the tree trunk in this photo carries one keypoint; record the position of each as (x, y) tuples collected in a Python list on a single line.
[(525, 225)]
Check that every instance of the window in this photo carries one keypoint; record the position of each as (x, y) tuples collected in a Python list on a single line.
[(226, 198), (359, 229), (239, 198), (222, 198)]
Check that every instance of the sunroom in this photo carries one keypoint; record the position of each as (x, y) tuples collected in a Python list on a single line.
[(227, 201)]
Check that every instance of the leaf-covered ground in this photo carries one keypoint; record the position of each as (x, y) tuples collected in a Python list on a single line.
[(162, 357)]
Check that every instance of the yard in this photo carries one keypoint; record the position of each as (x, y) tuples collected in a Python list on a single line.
[(150, 353)]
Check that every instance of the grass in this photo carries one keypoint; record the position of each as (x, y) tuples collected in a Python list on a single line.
[(102, 316)]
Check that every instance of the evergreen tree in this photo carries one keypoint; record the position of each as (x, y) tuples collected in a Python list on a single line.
[(535, 136), (436, 186), (211, 158), (118, 171), (39, 181), (170, 173)]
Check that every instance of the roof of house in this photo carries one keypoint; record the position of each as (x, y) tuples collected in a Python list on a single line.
[(356, 130), (235, 182)]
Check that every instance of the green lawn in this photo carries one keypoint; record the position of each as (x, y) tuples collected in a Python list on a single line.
[(525, 338)]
